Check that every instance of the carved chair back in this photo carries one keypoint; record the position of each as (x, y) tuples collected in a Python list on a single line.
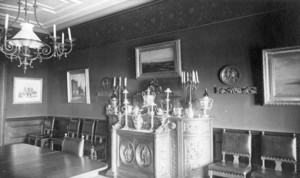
[(100, 132), (280, 150), (48, 126), (73, 128), (100, 139), (236, 144), (73, 145), (88, 127)]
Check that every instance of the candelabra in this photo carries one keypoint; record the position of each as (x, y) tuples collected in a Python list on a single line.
[(118, 90), (116, 99), (190, 81)]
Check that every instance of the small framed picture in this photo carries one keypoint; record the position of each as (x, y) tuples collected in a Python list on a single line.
[(162, 60), (27, 90), (78, 86)]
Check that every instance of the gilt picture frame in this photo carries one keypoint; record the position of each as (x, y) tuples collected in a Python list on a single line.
[(78, 86), (162, 60), (27, 90), (281, 76)]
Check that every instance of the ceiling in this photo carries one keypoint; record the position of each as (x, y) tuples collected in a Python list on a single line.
[(65, 13)]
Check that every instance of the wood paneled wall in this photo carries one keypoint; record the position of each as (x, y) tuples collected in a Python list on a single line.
[(17, 129)]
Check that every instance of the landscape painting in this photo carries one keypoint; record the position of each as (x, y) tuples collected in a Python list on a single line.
[(78, 86), (160, 60), (282, 76)]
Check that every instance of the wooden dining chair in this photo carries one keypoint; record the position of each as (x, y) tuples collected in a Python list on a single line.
[(72, 131), (100, 140), (88, 128), (279, 149), (44, 137), (73, 145), (237, 145)]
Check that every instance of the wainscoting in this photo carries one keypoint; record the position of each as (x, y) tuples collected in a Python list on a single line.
[(17, 129)]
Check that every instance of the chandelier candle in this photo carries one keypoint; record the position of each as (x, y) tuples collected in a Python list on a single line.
[(54, 31), (6, 21)]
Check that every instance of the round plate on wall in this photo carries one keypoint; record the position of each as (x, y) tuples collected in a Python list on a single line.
[(106, 83), (230, 75)]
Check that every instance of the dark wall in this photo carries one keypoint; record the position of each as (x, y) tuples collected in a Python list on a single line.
[(40, 70), (206, 48)]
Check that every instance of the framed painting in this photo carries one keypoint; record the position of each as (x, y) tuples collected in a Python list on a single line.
[(162, 60), (27, 90), (281, 74), (78, 86)]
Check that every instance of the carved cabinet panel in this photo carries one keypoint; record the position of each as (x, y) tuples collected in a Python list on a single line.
[(195, 149), (143, 154)]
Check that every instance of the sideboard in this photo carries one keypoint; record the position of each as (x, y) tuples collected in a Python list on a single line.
[(182, 152)]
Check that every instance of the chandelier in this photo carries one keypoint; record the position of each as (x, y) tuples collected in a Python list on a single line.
[(26, 47)]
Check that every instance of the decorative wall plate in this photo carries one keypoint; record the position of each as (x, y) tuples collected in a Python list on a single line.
[(106, 83), (230, 75)]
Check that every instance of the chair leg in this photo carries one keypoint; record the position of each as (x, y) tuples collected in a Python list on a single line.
[(51, 146), (35, 141)]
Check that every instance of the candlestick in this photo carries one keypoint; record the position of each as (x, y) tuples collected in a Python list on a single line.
[(197, 77), (152, 117), (187, 77), (181, 76), (125, 81), (126, 108), (120, 81), (194, 77), (114, 81), (125, 95), (168, 91)]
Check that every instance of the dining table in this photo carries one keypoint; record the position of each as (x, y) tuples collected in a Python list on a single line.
[(28, 161)]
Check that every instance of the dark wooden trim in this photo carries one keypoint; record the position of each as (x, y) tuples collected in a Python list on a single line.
[(3, 81), (17, 129)]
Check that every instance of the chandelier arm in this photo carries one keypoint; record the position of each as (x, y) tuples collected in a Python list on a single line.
[(45, 30), (18, 14), (25, 10), (8, 47), (45, 52), (70, 49)]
